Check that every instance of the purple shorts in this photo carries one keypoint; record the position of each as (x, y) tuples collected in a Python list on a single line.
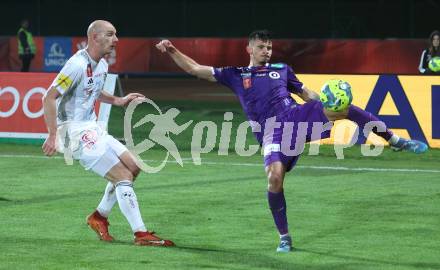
[(301, 122)]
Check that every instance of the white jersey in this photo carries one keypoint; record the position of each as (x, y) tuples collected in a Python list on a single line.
[(80, 83)]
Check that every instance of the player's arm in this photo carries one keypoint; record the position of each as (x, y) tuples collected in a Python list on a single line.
[(185, 62), (118, 101), (308, 94), (50, 117), (297, 87)]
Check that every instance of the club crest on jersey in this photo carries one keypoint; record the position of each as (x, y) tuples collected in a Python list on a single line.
[(247, 82), (274, 75)]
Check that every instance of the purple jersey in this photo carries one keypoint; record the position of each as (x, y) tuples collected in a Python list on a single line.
[(263, 91)]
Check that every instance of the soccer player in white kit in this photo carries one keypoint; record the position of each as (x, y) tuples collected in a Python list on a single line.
[(71, 122)]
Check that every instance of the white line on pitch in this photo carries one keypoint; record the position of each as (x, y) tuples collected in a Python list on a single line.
[(339, 168)]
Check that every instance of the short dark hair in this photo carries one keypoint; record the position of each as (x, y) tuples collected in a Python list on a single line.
[(263, 35)]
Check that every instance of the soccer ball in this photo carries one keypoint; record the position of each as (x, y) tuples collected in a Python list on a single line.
[(434, 64), (336, 95)]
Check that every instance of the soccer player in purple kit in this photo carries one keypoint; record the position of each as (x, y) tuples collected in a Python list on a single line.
[(264, 91)]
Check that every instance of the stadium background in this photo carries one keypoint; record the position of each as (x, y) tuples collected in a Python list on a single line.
[(317, 36), (377, 19)]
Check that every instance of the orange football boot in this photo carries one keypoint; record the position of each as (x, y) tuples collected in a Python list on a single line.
[(150, 239), (100, 225)]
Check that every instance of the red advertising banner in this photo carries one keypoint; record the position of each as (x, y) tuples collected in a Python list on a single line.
[(329, 56), (132, 55), (21, 109), (37, 62), (207, 51)]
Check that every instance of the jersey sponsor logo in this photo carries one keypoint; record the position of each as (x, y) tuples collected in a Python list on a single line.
[(274, 75), (246, 74), (277, 65), (260, 74), (64, 81), (97, 75)]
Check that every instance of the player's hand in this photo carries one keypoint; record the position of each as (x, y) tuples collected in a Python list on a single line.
[(49, 145), (165, 46), (128, 98)]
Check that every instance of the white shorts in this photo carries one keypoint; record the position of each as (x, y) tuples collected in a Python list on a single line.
[(93, 147)]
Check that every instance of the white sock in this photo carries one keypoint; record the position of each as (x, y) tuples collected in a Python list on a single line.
[(129, 205), (283, 235), (108, 200), (394, 139)]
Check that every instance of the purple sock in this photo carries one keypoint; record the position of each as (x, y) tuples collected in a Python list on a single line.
[(277, 204), (362, 117)]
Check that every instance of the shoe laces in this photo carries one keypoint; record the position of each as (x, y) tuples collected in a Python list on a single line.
[(150, 234), (399, 145), (284, 243), (287, 241), (411, 145), (104, 221)]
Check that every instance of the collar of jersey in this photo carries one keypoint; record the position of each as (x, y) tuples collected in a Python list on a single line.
[(266, 65), (92, 62)]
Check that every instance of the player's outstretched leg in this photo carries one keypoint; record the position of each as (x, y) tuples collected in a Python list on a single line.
[(414, 146), (362, 117)]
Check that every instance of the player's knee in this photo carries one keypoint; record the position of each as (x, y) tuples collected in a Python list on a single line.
[(135, 172), (129, 176), (275, 182), (125, 175), (334, 116)]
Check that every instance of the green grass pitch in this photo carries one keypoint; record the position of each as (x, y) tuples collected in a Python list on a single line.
[(357, 213)]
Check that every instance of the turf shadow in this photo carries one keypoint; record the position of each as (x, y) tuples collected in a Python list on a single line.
[(419, 265)]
